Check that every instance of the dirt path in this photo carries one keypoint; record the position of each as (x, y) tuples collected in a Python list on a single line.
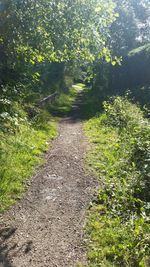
[(45, 228)]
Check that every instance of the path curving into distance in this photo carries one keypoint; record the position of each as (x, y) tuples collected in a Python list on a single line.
[(45, 228)]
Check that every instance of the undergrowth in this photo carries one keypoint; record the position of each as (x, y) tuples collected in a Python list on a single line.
[(118, 225)]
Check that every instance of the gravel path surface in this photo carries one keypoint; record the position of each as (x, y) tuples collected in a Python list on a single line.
[(45, 228)]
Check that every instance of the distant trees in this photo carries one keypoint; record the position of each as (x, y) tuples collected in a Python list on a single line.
[(132, 27)]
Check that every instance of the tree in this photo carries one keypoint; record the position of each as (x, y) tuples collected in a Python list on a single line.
[(131, 28)]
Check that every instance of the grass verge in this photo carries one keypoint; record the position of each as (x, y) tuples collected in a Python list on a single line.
[(20, 154), (118, 225)]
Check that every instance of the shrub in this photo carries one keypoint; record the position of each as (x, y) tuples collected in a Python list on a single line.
[(123, 114)]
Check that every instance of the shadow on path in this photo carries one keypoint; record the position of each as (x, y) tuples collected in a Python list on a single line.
[(86, 106), (6, 234)]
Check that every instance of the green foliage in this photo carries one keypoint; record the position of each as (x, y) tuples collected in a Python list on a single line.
[(41, 40), (20, 153), (115, 243), (56, 31), (140, 50), (11, 117), (119, 221), (123, 114), (130, 40), (130, 29)]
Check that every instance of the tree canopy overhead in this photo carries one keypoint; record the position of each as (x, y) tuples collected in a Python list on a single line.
[(55, 30), (34, 33)]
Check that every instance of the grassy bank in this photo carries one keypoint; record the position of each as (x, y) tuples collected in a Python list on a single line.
[(118, 225), (20, 154)]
